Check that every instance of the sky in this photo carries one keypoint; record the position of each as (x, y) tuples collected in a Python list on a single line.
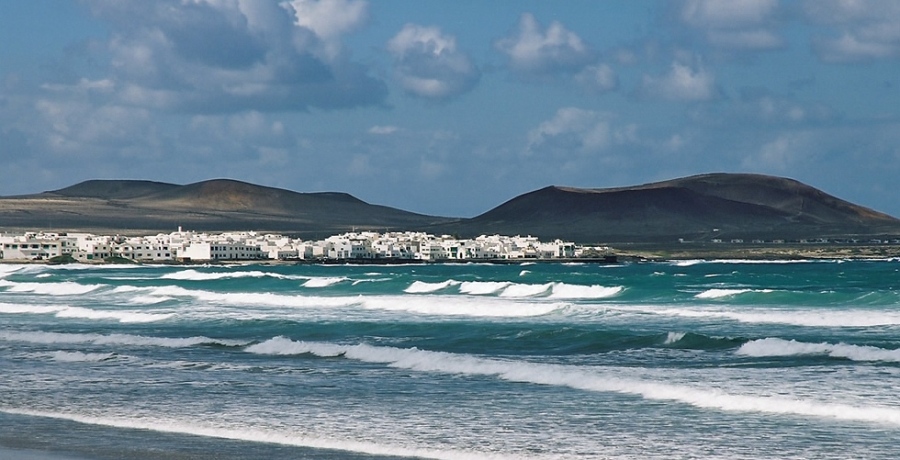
[(451, 108)]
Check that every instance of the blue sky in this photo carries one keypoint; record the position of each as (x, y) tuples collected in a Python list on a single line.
[(451, 108)]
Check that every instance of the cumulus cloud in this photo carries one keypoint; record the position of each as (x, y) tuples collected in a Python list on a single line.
[(535, 51), (217, 56), (762, 105), (734, 24), (428, 64), (857, 30), (780, 154), (598, 78), (681, 83), (571, 130), (330, 19)]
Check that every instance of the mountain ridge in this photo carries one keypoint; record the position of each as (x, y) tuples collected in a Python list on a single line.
[(705, 206)]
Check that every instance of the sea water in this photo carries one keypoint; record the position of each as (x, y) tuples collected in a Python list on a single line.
[(685, 359)]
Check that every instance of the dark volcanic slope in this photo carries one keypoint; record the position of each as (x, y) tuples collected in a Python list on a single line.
[(699, 207), (215, 205)]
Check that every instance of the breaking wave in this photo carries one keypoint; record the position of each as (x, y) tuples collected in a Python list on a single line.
[(773, 347), (577, 378), (421, 287), (720, 293), (41, 337), (54, 289)]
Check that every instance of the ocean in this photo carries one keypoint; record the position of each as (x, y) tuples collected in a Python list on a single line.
[(659, 360)]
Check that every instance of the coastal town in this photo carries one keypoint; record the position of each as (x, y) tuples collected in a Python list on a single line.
[(196, 247)]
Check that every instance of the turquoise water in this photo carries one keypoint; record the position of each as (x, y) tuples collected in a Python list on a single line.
[(689, 359)]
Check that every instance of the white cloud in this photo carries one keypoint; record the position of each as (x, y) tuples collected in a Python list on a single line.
[(330, 19), (598, 78), (540, 52), (571, 130), (218, 56), (383, 130), (857, 30), (781, 154), (428, 64), (735, 24), (682, 83)]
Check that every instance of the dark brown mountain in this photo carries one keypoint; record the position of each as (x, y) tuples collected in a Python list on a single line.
[(115, 206), (699, 208), (727, 206)]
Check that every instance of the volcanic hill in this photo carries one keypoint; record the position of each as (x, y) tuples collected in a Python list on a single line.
[(703, 207), (696, 208), (123, 206)]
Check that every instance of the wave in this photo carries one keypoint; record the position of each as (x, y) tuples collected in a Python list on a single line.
[(79, 357), (195, 275), (578, 378), (526, 290), (462, 306), (571, 291), (719, 293), (263, 299), (774, 347), (64, 311), (55, 289), (808, 317), (282, 436), (123, 316), (46, 338), (688, 263), (482, 287), (673, 337), (419, 304), (421, 287), (324, 281)]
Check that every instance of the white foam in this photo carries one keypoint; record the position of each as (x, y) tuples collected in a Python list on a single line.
[(263, 299), (571, 291), (323, 281), (524, 272), (46, 338), (780, 347), (77, 356), (148, 300), (583, 379), (673, 337), (461, 306), (55, 289), (19, 309), (196, 275), (719, 293), (526, 290), (122, 316), (796, 317), (421, 287), (482, 287), (283, 436)]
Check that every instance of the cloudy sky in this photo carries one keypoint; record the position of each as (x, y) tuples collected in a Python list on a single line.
[(450, 108)]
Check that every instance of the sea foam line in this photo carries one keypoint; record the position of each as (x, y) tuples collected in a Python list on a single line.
[(421, 287), (719, 293), (807, 317), (577, 378), (779, 347), (122, 316), (47, 338), (264, 435), (55, 289), (196, 275)]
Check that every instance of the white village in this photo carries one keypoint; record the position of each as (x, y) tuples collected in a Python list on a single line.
[(197, 247)]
